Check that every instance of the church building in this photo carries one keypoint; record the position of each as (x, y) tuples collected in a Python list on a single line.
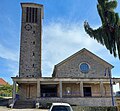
[(81, 79)]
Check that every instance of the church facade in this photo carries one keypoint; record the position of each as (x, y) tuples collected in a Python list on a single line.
[(81, 79)]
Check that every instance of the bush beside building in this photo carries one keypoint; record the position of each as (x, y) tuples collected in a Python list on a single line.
[(6, 90)]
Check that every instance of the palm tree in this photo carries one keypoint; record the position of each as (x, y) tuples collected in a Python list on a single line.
[(109, 33)]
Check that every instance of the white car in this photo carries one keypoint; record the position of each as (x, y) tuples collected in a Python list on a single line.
[(60, 107)]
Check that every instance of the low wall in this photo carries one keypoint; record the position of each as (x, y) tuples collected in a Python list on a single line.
[(4, 102), (79, 101), (94, 108)]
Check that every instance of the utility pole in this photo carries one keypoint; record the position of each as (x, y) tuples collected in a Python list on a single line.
[(111, 86)]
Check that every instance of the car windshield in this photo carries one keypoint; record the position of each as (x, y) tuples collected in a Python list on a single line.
[(117, 92), (61, 108)]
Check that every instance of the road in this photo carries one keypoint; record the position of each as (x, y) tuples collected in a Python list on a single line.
[(8, 109)]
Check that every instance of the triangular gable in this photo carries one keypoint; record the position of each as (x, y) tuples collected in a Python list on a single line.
[(88, 53)]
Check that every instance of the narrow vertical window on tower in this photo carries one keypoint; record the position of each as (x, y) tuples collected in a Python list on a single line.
[(33, 42), (35, 15), (27, 14), (33, 54), (31, 15)]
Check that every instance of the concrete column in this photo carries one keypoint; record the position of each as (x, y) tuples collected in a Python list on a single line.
[(101, 89), (38, 89), (60, 89), (81, 89), (14, 89)]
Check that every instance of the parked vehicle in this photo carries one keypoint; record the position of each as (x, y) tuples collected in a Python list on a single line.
[(117, 94), (60, 107)]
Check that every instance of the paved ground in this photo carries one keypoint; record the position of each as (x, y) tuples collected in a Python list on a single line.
[(8, 109)]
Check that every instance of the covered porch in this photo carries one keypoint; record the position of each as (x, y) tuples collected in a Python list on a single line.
[(32, 88)]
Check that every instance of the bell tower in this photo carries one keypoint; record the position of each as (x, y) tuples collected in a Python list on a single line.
[(31, 40)]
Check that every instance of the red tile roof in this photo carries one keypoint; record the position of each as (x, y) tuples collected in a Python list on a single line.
[(2, 82)]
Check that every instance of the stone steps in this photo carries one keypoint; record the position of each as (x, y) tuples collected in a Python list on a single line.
[(20, 104)]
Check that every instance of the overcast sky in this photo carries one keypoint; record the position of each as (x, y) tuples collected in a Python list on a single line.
[(63, 34)]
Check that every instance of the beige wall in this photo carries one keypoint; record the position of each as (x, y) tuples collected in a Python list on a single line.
[(22, 91), (95, 89), (107, 90), (75, 89), (27, 91)]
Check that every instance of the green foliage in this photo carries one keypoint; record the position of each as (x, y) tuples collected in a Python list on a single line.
[(109, 33), (6, 90), (94, 108)]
